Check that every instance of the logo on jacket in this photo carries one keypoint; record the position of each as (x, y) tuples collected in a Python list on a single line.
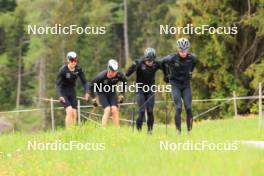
[(143, 67), (68, 75), (176, 64), (114, 79), (105, 81)]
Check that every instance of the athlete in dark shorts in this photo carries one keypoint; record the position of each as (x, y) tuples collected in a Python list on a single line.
[(103, 87), (145, 69), (180, 67), (65, 86)]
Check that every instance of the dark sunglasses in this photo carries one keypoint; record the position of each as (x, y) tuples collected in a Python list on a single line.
[(112, 71), (73, 59), (149, 60)]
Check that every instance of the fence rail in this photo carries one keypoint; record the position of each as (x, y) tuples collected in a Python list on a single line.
[(225, 100), (130, 103)]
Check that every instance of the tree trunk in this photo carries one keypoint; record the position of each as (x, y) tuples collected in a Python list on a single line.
[(19, 60), (42, 91), (126, 33), (42, 83)]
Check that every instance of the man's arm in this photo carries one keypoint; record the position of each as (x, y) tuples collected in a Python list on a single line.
[(59, 82), (164, 66), (194, 63), (83, 80), (123, 81), (192, 66), (133, 67), (97, 79), (166, 59), (164, 63)]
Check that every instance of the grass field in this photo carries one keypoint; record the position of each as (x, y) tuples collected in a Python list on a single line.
[(131, 153)]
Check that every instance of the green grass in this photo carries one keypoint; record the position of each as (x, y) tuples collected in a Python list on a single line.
[(129, 153)]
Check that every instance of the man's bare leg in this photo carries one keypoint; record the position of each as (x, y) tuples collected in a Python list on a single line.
[(115, 116), (69, 117), (105, 116), (74, 116)]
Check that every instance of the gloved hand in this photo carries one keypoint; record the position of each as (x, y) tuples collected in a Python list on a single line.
[(86, 96), (95, 104), (61, 99), (120, 99)]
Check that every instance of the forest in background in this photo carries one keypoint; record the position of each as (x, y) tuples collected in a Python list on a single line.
[(29, 63)]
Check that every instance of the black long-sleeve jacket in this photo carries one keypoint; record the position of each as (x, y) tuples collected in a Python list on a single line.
[(101, 79), (66, 79), (179, 69), (144, 74)]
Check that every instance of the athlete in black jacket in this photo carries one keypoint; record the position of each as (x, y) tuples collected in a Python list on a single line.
[(103, 86), (65, 86), (179, 73), (145, 69)]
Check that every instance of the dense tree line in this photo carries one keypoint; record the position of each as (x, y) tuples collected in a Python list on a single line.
[(229, 62)]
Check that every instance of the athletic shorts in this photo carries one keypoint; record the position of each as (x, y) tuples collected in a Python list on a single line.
[(70, 99), (108, 99)]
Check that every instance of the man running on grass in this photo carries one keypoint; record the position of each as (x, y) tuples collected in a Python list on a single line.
[(103, 85), (180, 67), (65, 86), (145, 69)]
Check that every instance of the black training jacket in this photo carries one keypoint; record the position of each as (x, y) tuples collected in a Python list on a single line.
[(66, 79)]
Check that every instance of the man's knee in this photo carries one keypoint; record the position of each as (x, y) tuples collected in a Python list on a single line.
[(150, 113), (74, 112), (114, 109), (69, 110), (178, 109), (177, 102), (107, 110), (188, 103), (142, 110), (189, 112), (178, 114), (141, 115)]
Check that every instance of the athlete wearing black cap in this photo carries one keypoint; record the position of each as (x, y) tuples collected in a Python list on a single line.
[(145, 69), (65, 86)]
